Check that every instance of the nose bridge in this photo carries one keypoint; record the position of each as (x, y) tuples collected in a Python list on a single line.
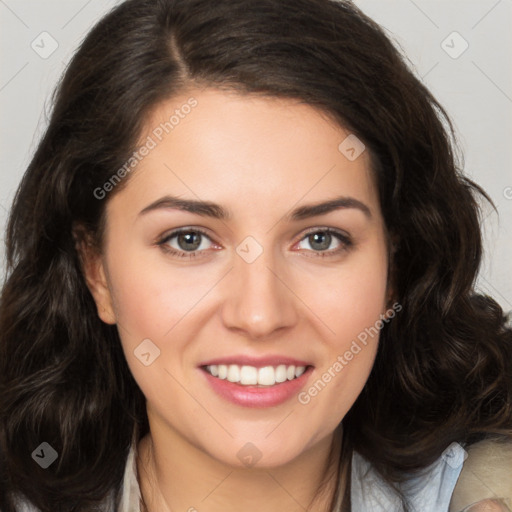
[(258, 301)]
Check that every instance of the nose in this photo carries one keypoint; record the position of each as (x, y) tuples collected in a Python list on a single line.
[(258, 298)]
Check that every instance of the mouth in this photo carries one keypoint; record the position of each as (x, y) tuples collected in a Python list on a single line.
[(262, 386), (261, 377)]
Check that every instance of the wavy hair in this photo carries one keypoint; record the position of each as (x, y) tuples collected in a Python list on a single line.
[(443, 370)]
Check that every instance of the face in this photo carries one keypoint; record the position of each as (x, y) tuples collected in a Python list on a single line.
[(270, 290)]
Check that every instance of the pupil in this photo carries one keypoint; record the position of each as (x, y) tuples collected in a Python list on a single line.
[(189, 237), (319, 236)]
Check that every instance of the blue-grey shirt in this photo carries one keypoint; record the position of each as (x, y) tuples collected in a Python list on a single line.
[(429, 492)]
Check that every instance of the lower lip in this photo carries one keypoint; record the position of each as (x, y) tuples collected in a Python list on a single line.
[(254, 396)]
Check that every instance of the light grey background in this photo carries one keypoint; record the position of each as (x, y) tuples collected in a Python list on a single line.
[(475, 86)]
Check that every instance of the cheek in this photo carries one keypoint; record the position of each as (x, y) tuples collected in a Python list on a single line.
[(150, 297), (348, 362), (352, 298), (147, 307), (138, 300), (351, 307), (154, 302), (335, 388)]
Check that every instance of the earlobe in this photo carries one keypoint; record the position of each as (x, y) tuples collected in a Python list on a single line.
[(95, 275), (99, 287)]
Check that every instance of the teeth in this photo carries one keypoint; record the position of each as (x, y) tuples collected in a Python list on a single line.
[(233, 373), (299, 370), (248, 375), (281, 373), (223, 371), (251, 376), (266, 376)]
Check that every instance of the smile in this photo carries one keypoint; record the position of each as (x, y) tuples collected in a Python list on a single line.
[(251, 376)]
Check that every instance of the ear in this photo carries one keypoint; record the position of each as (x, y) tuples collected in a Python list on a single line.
[(95, 275)]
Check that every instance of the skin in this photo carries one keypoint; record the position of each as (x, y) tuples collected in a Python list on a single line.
[(259, 158)]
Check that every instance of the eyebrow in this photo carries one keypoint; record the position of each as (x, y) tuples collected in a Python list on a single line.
[(216, 211)]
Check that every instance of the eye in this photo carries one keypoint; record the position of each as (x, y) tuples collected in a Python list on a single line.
[(188, 242), (321, 239)]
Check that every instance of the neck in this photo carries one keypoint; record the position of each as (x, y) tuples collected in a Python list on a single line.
[(176, 475)]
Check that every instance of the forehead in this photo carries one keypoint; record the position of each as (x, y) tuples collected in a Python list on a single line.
[(243, 150)]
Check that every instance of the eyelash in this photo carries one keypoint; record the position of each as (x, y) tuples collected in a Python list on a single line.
[(346, 242)]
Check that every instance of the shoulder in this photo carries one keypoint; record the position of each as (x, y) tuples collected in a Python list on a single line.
[(486, 477)]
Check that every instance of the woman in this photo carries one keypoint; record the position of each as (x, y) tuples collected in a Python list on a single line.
[(172, 336)]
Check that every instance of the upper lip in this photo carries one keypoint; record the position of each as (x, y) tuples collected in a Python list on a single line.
[(258, 362)]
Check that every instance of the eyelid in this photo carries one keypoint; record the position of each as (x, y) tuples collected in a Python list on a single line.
[(325, 229)]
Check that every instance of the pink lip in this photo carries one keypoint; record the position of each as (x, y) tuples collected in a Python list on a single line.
[(255, 396), (258, 362)]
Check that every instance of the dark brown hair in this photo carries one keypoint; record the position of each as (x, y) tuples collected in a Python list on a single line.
[(443, 371)]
